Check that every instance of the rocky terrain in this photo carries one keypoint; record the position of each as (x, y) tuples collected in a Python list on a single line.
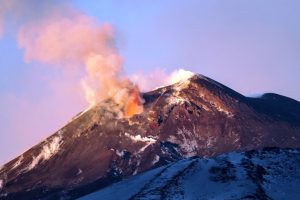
[(270, 173), (195, 117)]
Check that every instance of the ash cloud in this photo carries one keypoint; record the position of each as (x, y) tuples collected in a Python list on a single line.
[(60, 35), (55, 33)]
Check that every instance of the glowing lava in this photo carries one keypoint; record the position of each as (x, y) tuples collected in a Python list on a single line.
[(134, 103)]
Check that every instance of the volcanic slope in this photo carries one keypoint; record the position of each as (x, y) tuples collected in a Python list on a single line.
[(266, 174), (194, 117)]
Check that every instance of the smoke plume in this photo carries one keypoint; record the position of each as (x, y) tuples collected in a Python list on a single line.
[(70, 39), (159, 78), (62, 36)]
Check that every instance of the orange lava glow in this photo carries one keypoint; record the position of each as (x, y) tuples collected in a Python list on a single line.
[(134, 103)]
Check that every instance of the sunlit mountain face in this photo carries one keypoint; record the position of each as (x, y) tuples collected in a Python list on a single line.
[(195, 117)]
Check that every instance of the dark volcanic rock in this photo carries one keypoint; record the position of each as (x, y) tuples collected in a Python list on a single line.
[(197, 117)]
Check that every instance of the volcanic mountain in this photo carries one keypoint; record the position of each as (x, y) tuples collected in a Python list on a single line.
[(194, 117)]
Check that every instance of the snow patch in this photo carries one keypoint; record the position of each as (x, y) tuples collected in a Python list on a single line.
[(120, 153), (1, 184), (226, 112), (139, 138), (79, 172), (176, 100), (156, 159), (188, 144), (47, 152), (210, 142), (219, 107), (137, 167), (144, 147), (18, 162)]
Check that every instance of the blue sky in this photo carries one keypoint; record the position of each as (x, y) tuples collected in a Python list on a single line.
[(235, 42), (250, 46)]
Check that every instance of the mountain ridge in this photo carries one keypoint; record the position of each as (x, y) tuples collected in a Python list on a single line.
[(269, 173), (195, 117)]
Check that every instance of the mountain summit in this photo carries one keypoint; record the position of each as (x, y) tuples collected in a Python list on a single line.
[(196, 116)]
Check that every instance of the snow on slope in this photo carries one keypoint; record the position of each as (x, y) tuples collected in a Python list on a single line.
[(265, 174), (47, 152)]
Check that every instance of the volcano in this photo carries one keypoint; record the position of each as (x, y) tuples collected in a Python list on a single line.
[(193, 117)]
